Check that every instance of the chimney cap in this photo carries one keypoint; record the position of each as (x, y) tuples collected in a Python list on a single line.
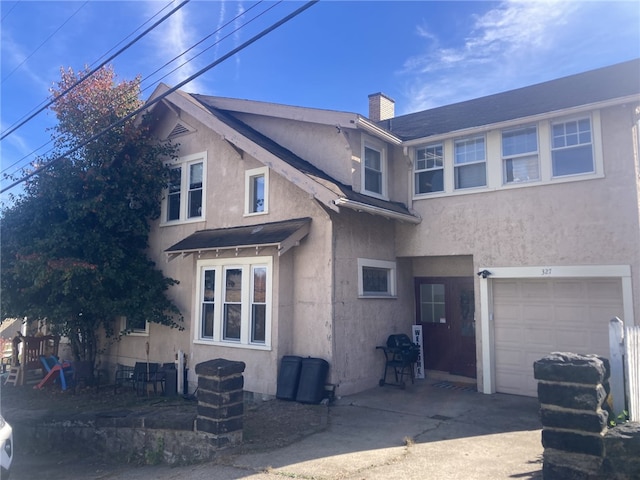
[(381, 94)]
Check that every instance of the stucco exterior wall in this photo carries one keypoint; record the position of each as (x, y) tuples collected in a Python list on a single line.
[(299, 327), (590, 222), (360, 324)]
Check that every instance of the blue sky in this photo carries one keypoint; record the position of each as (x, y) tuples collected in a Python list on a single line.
[(332, 56)]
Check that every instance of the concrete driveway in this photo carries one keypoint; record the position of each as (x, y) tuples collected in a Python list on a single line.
[(423, 432)]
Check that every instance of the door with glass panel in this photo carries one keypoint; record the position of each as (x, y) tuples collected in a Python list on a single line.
[(445, 307)]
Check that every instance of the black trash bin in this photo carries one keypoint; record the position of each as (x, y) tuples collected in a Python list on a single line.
[(170, 379), (313, 375), (288, 377)]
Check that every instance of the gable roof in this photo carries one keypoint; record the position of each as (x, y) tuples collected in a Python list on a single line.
[(283, 235), (604, 84), (345, 195)]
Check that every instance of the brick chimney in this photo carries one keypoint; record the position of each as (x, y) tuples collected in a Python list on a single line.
[(381, 107)]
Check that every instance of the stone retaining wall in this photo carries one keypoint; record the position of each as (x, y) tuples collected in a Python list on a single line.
[(578, 445)]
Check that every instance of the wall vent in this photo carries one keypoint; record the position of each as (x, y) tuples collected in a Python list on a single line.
[(178, 130)]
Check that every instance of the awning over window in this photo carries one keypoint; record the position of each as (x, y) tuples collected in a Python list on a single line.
[(283, 235)]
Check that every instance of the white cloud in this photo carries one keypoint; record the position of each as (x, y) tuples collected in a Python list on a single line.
[(494, 50), (172, 38)]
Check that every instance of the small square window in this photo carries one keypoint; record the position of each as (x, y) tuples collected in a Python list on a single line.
[(376, 278), (134, 326)]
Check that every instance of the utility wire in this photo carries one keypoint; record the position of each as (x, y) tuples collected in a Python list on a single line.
[(10, 10), (143, 80), (51, 102), (45, 41), (217, 42), (149, 103), (92, 64), (206, 37)]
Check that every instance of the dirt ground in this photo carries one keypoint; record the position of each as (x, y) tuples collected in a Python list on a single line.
[(266, 424)]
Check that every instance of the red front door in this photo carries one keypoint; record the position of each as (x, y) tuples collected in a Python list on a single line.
[(445, 307)]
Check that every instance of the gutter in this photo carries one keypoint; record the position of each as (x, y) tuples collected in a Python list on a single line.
[(363, 207)]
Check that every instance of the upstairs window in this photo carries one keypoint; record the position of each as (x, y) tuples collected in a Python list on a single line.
[(429, 169), (571, 147), (257, 191), (184, 199), (374, 168), (470, 168), (520, 155)]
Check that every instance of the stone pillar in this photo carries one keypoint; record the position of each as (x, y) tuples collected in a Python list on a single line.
[(220, 401), (572, 389)]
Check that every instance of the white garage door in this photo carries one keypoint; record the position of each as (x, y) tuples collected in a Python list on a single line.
[(534, 317)]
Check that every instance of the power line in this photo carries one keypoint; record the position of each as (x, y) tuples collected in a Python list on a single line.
[(10, 10), (148, 104), (51, 102), (45, 41), (6, 169), (168, 63)]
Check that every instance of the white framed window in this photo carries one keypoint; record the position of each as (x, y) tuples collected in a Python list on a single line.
[(134, 328), (520, 155), (256, 198), (572, 147), (470, 163), (374, 168), (234, 302), (429, 169), (376, 278), (184, 198)]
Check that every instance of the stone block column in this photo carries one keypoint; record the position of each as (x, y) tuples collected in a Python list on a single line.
[(572, 389), (220, 401)]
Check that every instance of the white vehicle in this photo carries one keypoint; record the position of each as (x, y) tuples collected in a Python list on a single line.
[(6, 448)]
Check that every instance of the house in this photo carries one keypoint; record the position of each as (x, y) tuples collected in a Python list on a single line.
[(508, 226)]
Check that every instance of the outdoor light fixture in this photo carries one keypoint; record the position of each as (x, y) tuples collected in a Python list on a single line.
[(484, 273)]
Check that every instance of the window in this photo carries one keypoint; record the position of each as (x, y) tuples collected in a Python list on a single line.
[(134, 326), (571, 147), (432, 303), (376, 278), (470, 163), (374, 168), (184, 198), (256, 190), (520, 155), (235, 301), (429, 169)]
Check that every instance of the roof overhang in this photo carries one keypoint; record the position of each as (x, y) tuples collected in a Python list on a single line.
[(281, 235), (373, 210)]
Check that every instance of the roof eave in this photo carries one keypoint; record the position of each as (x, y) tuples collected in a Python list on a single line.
[(522, 120), (363, 207)]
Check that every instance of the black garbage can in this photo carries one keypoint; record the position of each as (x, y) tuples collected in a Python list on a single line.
[(313, 375), (288, 377), (170, 379)]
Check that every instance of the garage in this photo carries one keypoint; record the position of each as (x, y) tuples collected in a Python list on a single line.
[(535, 316)]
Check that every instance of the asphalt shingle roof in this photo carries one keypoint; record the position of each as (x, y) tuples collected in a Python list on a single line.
[(262, 234), (299, 163), (599, 85)]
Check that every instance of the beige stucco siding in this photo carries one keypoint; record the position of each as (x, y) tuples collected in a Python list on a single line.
[(299, 327), (360, 324), (590, 222)]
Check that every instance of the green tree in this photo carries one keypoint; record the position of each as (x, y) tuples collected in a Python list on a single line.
[(73, 246)]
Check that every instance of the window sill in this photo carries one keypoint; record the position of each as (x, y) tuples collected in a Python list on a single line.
[(378, 297), (254, 214), (182, 222), (246, 346)]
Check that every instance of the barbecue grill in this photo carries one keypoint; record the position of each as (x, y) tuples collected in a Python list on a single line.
[(400, 356)]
